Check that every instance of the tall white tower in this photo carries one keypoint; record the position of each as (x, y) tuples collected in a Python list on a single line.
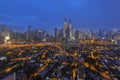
[(70, 28), (65, 27)]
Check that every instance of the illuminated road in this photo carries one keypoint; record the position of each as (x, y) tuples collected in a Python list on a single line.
[(54, 62), (38, 71)]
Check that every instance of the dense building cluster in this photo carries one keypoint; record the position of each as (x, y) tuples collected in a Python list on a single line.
[(60, 34), (67, 55), (67, 33), (55, 62), (8, 36)]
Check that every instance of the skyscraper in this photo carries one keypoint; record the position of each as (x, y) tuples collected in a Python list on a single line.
[(38, 35), (61, 34), (65, 27), (30, 34), (76, 35), (70, 28), (68, 31), (56, 33)]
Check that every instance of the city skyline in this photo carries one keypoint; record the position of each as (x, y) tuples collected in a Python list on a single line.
[(59, 40), (51, 30), (44, 14)]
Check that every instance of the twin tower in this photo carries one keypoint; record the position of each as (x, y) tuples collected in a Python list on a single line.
[(68, 30)]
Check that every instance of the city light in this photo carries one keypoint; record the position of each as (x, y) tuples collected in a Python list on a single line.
[(6, 40), (60, 40)]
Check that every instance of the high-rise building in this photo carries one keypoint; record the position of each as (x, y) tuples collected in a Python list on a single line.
[(68, 33), (70, 28), (38, 35), (76, 35), (61, 34), (79, 35), (56, 33), (116, 35), (65, 27), (30, 34), (5, 34), (102, 34)]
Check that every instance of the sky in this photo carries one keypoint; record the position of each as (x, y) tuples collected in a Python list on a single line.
[(48, 14)]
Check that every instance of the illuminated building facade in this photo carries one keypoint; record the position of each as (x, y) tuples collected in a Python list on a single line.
[(68, 30), (5, 35)]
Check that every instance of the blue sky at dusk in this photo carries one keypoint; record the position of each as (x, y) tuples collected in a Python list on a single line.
[(48, 14)]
